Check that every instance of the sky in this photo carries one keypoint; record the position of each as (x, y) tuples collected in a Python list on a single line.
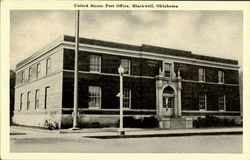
[(210, 33)]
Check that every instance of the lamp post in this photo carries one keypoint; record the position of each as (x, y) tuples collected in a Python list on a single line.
[(121, 72)]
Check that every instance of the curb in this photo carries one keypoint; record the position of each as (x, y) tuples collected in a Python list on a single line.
[(166, 135)]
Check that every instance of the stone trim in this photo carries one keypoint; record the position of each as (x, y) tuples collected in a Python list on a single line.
[(192, 81), (109, 74), (203, 113), (127, 52), (38, 79), (109, 111), (113, 51)]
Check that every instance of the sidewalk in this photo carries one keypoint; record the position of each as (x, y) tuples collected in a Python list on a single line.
[(136, 133), (110, 133)]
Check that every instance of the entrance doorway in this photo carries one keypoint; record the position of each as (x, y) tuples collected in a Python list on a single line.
[(168, 101)]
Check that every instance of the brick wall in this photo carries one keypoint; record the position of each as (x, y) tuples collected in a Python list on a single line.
[(56, 57), (190, 96), (36, 115), (142, 90), (54, 82), (190, 72), (110, 63)]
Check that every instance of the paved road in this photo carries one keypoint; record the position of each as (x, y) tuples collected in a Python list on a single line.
[(77, 143)]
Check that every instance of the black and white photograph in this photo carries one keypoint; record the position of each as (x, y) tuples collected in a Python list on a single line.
[(126, 81)]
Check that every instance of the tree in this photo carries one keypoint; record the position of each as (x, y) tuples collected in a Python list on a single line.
[(241, 90), (12, 93)]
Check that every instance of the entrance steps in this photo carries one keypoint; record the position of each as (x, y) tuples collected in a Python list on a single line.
[(176, 123)]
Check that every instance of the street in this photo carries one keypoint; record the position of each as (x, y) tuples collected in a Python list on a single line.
[(76, 143)]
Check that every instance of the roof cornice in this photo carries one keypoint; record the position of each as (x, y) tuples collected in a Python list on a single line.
[(125, 51)]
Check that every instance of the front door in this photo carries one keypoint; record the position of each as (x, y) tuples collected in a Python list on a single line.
[(168, 101), (168, 106)]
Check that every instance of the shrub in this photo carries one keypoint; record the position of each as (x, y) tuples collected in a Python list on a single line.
[(150, 122), (132, 122), (51, 124), (213, 121)]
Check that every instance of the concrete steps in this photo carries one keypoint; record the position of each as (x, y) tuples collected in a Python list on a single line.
[(176, 123)]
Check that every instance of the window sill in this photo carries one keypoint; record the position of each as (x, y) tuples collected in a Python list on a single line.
[(126, 108), (222, 110), (202, 110), (94, 108), (94, 72)]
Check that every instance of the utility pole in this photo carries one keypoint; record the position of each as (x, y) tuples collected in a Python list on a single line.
[(75, 112)]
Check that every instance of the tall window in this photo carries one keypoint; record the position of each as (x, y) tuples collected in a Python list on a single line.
[(21, 101), (29, 75), (28, 100), (48, 66), (38, 70), (46, 100), (94, 97), (167, 69), (222, 102), (203, 101), (23, 77), (202, 75), (126, 98), (126, 65), (95, 63), (37, 99), (220, 76)]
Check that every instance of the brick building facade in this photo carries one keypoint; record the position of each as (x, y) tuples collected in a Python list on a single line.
[(158, 81)]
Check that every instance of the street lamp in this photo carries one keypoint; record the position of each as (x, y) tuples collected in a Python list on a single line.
[(120, 94)]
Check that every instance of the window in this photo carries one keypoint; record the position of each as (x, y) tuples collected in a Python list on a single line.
[(95, 63), (28, 100), (21, 101), (202, 101), (48, 66), (202, 75), (37, 99), (94, 97), (126, 65), (23, 77), (167, 69), (29, 75), (222, 102), (220, 76), (38, 71), (126, 98), (46, 98)]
